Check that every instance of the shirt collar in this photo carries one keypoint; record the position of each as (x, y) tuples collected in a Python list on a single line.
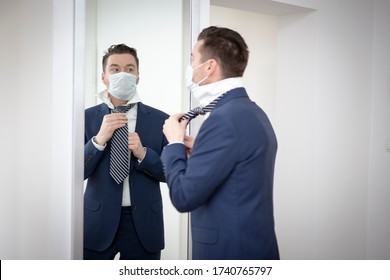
[(103, 96), (207, 93)]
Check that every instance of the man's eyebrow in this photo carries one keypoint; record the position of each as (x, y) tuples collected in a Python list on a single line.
[(116, 65)]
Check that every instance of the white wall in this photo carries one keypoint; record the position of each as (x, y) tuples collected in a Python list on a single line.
[(347, 69), (260, 75), (331, 115), (24, 186), (295, 177), (379, 158), (156, 29), (33, 226), (9, 162)]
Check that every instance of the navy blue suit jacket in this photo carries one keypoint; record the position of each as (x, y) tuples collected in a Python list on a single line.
[(227, 183), (103, 196)]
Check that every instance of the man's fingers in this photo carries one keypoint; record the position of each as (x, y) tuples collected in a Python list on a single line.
[(115, 121), (177, 116)]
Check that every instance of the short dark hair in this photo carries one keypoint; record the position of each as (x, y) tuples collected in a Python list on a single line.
[(227, 47), (119, 49)]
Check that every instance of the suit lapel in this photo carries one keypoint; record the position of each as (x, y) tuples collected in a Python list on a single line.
[(102, 110), (97, 118)]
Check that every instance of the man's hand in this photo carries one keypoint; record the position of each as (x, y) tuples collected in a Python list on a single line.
[(135, 145), (189, 142), (111, 122), (174, 130)]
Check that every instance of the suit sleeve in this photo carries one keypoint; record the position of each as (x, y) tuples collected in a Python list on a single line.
[(193, 181), (151, 165), (92, 157)]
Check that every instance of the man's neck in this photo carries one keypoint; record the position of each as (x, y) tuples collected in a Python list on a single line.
[(117, 102)]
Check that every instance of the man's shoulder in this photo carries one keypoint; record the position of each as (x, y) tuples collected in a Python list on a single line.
[(97, 107), (152, 110)]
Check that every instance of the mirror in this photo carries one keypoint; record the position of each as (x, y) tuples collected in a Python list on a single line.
[(158, 30)]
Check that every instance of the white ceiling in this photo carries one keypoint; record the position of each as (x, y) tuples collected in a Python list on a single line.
[(269, 7)]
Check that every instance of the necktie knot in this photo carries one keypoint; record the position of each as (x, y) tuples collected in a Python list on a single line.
[(122, 109), (198, 111), (201, 110)]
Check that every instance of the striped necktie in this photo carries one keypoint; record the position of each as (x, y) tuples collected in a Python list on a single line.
[(201, 110), (119, 153)]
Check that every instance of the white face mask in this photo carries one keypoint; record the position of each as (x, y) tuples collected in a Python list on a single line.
[(189, 73), (122, 85)]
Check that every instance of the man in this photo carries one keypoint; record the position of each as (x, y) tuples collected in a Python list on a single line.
[(227, 182), (123, 206)]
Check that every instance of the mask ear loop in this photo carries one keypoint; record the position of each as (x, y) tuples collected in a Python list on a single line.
[(200, 65), (201, 81), (205, 78)]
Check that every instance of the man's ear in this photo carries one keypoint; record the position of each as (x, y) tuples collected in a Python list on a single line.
[(212, 66), (104, 79)]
